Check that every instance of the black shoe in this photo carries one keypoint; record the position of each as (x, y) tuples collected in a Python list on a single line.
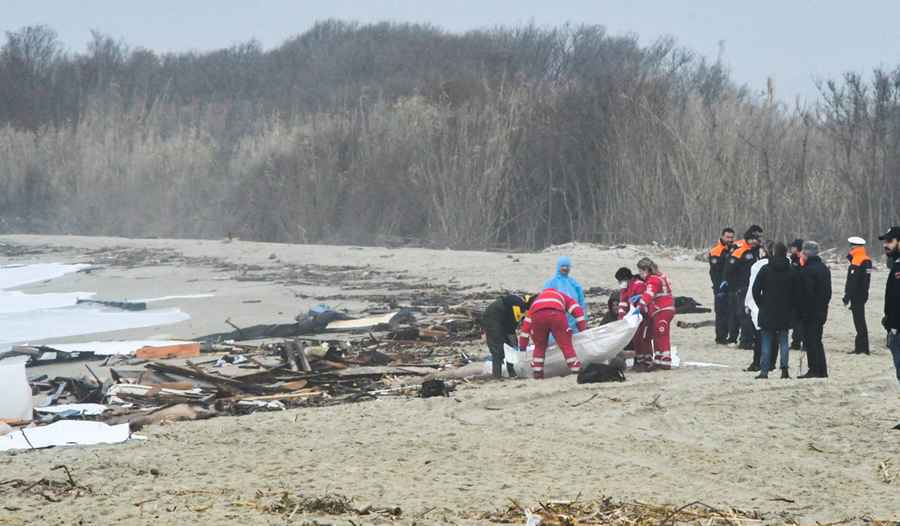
[(721, 342), (762, 376), (897, 427), (796, 346), (809, 374), (753, 368), (785, 375)]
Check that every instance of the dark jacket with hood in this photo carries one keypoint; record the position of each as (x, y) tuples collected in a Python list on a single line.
[(501, 318), (816, 294), (777, 291)]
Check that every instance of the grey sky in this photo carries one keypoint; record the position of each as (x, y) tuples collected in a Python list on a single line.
[(796, 41)]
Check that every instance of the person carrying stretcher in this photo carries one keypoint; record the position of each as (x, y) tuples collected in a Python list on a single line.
[(658, 306), (549, 315), (631, 289)]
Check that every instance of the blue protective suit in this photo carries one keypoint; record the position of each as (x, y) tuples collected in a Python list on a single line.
[(568, 286)]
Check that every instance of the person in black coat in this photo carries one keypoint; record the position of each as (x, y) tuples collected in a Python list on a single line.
[(816, 294), (856, 291), (776, 291), (795, 252), (499, 322)]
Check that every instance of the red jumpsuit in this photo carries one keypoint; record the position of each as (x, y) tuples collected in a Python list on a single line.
[(643, 354), (548, 314), (658, 306)]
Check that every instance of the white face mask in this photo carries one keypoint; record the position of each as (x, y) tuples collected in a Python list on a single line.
[(623, 284)]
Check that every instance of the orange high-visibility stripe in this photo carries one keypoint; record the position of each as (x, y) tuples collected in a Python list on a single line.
[(859, 256)]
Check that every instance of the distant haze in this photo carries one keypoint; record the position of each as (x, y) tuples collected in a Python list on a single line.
[(794, 41)]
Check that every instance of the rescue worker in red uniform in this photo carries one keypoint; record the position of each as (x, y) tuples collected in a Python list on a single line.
[(631, 288), (658, 306), (549, 315)]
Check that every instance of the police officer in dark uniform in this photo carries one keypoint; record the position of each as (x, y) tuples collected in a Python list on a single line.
[(499, 321), (736, 280), (856, 291), (718, 257)]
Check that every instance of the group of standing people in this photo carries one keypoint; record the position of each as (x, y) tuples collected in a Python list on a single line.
[(560, 311), (766, 291)]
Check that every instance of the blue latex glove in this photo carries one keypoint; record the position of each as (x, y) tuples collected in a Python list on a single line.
[(634, 299), (723, 287)]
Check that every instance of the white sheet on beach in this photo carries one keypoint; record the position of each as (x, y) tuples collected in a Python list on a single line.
[(596, 345), (15, 393), (65, 433)]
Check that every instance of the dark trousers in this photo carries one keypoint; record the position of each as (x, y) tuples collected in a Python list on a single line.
[(797, 334), (815, 351), (757, 350), (862, 330), (748, 330), (894, 346), (723, 314), (495, 340), (736, 314)]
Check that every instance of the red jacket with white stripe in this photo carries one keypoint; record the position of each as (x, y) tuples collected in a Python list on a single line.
[(657, 295), (551, 299), (636, 287)]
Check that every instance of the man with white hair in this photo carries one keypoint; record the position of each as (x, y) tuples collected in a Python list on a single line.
[(856, 291)]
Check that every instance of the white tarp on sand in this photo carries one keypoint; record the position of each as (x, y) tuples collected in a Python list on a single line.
[(65, 433), (596, 345)]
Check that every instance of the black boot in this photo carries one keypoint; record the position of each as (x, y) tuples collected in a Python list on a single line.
[(753, 368), (762, 376), (785, 375)]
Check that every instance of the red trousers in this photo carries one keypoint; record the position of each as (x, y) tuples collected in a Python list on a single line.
[(659, 325), (643, 348), (543, 323)]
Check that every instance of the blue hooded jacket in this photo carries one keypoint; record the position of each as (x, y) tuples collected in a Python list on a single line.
[(568, 286)]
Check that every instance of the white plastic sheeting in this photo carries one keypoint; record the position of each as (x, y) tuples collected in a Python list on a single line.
[(15, 393), (595, 345), (65, 433)]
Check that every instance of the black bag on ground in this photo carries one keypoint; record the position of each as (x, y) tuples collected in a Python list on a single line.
[(601, 372)]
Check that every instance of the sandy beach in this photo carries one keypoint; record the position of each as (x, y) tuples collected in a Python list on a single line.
[(804, 450)]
